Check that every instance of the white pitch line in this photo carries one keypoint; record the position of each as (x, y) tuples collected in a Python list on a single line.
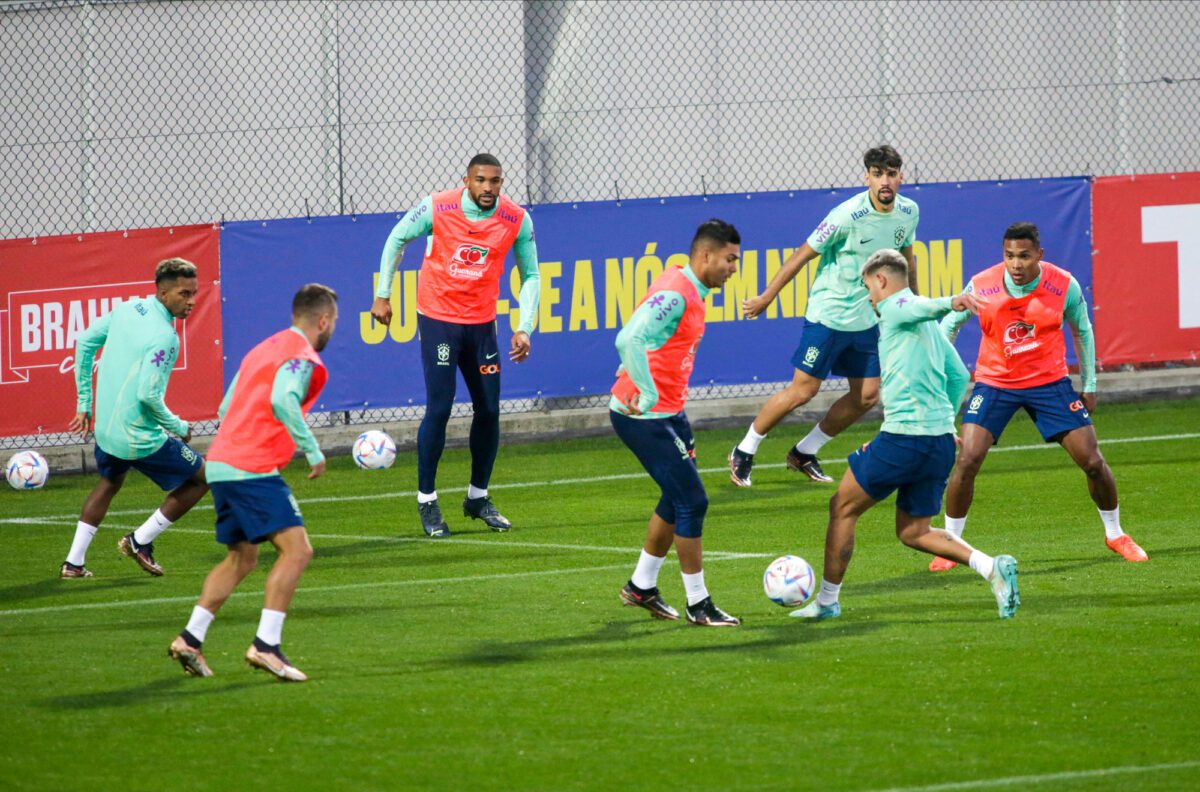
[(587, 479), (724, 554), (314, 589), (1044, 778)]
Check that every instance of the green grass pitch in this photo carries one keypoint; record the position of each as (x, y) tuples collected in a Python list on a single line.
[(507, 662)]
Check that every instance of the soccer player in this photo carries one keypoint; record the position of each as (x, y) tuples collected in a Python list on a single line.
[(131, 420), (840, 334), (923, 383), (1023, 364), (657, 348), (470, 232), (262, 423)]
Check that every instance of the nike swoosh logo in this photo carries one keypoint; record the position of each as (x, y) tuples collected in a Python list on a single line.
[(489, 357), (864, 241)]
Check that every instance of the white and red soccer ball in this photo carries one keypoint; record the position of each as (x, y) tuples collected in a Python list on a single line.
[(789, 581), (26, 470), (374, 450)]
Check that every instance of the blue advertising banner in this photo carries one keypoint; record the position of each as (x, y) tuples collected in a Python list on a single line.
[(597, 260)]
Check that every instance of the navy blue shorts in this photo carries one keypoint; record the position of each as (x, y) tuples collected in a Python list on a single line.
[(1055, 408), (844, 353), (171, 465), (667, 449), (252, 510), (917, 465)]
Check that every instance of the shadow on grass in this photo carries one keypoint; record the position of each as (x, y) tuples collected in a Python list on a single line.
[(53, 586), (620, 637), (158, 691)]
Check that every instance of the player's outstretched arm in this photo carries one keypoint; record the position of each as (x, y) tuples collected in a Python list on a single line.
[(753, 306), (416, 223)]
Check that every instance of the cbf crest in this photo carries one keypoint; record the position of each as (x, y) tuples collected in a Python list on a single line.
[(443, 354), (900, 237)]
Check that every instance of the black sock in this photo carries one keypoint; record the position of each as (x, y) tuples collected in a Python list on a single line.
[(190, 639)]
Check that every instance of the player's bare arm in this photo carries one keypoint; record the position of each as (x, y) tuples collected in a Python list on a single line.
[(753, 306), (907, 252)]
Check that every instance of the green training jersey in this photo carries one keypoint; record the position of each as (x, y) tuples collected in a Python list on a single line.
[(846, 238), (923, 378), (140, 346)]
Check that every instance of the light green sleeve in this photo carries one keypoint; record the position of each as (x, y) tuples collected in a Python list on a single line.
[(958, 378), (1075, 311), (912, 231), (287, 394), (525, 250), (912, 309), (651, 326), (224, 408), (831, 231), (954, 321), (86, 347), (153, 376), (417, 223)]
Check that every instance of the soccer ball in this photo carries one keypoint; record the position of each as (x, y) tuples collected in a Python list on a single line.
[(374, 450), (789, 581), (27, 470)]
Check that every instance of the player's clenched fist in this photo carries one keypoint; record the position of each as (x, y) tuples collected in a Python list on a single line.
[(381, 310)]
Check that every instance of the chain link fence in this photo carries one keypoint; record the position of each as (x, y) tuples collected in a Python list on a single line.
[(139, 114)]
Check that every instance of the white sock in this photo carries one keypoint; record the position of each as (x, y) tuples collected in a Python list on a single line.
[(646, 574), (474, 492), (750, 442), (155, 524), (694, 586), (1112, 523), (83, 540), (198, 624), (270, 627), (829, 592), (812, 443), (982, 563), (426, 498), (955, 525)]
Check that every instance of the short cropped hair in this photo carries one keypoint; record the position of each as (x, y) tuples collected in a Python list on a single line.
[(312, 300), (1024, 231), (882, 157), (717, 232), (886, 259), (172, 269), (483, 159)]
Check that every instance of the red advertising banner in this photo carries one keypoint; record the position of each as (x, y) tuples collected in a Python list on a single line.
[(1146, 267), (53, 288)]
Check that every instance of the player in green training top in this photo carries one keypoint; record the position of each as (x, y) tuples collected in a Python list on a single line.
[(924, 382), (131, 419), (840, 334)]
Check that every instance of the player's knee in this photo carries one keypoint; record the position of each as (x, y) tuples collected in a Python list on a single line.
[(968, 465), (487, 411), (911, 535), (1093, 466), (800, 394), (691, 511), (247, 564), (867, 399), (439, 411)]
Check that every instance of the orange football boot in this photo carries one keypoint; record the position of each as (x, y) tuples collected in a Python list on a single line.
[(939, 564), (1128, 549)]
